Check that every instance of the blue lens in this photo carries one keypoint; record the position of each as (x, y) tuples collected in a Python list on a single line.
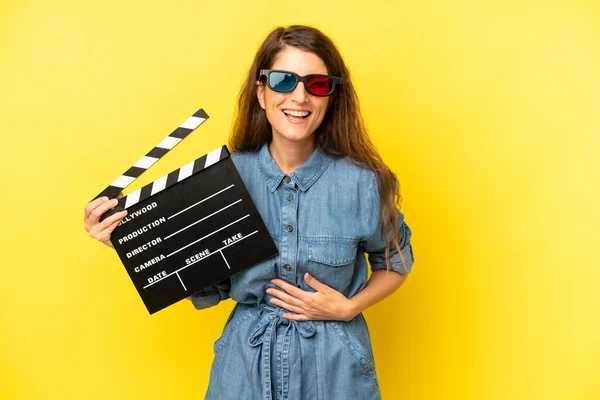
[(282, 81)]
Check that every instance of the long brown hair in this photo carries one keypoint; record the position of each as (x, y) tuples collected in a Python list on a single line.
[(342, 132)]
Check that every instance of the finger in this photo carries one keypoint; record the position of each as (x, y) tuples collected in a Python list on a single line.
[(93, 204), (104, 235), (287, 306), (95, 215), (108, 222), (296, 317), (293, 290), (119, 195), (286, 297), (91, 224), (315, 284)]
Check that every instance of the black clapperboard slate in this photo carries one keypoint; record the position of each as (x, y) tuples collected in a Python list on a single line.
[(189, 229)]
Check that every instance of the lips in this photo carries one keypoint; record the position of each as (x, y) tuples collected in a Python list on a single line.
[(296, 120), (296, 113)]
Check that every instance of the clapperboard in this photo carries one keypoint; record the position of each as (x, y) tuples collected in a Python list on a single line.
[(190, 229)]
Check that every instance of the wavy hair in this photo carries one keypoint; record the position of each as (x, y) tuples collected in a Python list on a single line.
[(342, 133)]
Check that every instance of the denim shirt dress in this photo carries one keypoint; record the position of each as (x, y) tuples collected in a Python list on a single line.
[(323, 218)]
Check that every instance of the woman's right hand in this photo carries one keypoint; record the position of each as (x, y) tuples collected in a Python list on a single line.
[(102, 230)]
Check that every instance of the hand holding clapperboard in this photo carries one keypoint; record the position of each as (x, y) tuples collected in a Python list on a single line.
[(189, 229)]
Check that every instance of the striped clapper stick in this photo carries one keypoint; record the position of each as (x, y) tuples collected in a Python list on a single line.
[(155, 154), (188, 230)]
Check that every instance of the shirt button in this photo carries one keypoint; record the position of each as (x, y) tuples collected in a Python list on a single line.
[(287, 267), (290, 197), (289, 228), (280, 355), (287, 179)]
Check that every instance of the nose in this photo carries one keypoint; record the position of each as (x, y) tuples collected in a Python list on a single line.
[(299, 94)]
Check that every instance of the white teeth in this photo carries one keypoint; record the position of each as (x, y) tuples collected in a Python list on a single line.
[(296, 113)]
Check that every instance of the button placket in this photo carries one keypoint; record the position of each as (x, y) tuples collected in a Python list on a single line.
[(289, 242)]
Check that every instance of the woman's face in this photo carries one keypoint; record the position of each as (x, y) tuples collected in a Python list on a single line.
[(288, 127)]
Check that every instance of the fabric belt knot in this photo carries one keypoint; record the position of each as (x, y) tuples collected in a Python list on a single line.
[(274, 317), (264, 334)]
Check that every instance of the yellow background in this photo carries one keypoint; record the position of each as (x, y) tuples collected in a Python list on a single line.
[(488, 111)]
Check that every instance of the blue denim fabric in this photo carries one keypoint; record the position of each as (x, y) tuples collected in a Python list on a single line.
[(333, 209)]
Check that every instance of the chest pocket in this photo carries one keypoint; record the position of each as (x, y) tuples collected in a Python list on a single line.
[(331, 261)]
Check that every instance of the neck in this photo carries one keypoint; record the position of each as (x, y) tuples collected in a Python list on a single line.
[(290, 155)]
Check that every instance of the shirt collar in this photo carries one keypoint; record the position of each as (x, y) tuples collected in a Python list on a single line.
[(304, 176)]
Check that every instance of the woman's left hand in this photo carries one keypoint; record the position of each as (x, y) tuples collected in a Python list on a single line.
[(324, 304)]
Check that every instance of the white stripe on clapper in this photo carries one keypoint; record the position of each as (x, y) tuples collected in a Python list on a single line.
[(145, 162), (159, 185), (169, 142), (185, 171), (123, 181), (192, 122), (133, 198), (213, 157)]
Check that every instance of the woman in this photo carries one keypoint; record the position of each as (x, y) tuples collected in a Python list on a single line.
[(297, 330)]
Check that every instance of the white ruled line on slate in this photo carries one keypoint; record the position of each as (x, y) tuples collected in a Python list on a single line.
[(210, 234), (195, 204), (204, 258), (202, 219), (184, 288)]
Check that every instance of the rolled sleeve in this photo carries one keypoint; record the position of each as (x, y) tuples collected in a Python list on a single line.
[(212, 295), (374, 246)]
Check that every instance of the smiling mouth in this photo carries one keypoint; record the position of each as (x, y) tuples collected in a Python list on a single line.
[(296, 116)]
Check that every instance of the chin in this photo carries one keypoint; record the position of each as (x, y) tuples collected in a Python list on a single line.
[(296, 137)]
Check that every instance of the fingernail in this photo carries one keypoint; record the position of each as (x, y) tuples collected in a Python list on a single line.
[(104, 198), (115, 201)]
